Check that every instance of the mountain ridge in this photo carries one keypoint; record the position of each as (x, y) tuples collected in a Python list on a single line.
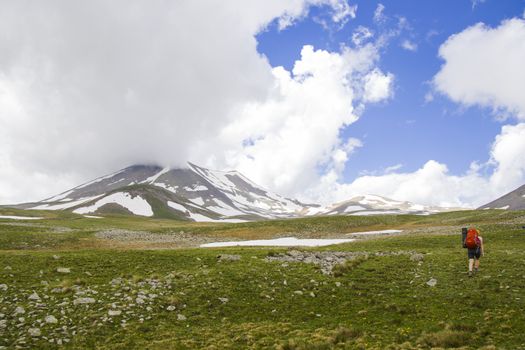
[(196, 193), (514, 200)]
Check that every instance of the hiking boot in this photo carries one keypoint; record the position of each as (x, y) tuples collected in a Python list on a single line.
[(470, 273), (476, 270)]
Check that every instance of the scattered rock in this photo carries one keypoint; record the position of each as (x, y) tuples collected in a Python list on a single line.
[(139, 301), (327, 259), (34, 296), (171, 308), (114, 312), (432, 282), (8, 268), (84, 301), (56, 257), (51, 319), (34, 332), (181, 317), (63, 270), (19, 310), (3, 324), (3, 286), (338, 284), (116, 281), (224, 300), (298, 292), (228, 257), (417, 257)]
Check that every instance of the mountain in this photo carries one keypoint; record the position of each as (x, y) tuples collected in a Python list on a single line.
[(199, 194), (514, 200), (374, 205)]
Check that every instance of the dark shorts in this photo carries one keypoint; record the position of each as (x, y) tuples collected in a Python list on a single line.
[(474, 253)]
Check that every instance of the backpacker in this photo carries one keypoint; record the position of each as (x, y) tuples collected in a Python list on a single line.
[(472, 241)]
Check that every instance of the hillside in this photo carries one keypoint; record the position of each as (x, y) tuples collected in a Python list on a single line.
[(199, 194), (91, 283), (514, 200)]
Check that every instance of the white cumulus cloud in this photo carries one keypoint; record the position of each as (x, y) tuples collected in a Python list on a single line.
[(284, 140), (484, 66), (90, 87)]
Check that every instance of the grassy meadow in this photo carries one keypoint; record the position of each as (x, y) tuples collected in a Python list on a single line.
[(61, 285)]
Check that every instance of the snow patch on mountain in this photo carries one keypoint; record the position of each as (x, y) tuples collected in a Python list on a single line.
[(177, 206), (66, 205), (137, 205), (154, 178), (279, 242)]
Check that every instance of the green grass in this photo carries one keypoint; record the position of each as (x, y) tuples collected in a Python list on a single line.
[(378, 302)]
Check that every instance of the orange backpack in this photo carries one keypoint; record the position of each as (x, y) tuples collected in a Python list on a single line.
[(472, 241)]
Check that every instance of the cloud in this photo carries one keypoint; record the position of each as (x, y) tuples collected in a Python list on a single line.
[(432, 184), (290, 140), (409, 45), (476, 3), (361, 35), (484, 67), (95, 86), (378, 86), (379, 16)]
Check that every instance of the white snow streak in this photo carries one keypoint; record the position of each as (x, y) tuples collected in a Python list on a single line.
[(65, 205), (280, 242), (136, 205), (177, 206), (154, 178), (20, 217), (374, 232)]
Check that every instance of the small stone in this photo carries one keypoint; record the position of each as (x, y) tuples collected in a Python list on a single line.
[(228, 257), (63, 270), (84, 301), (34, 332), (181, 317), (3, 286), (170, 308), (432, 282), (114, 312), (312, 294), (298, 292), (116, 281), (8, 268), (34, 296), (3, 324), (417, 257), (224, 300), (338, 284), (51, 319), (139, 301), (59, 341), (19, 310), (56, 257)]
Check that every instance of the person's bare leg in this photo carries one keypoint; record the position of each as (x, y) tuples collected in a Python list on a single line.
[(470, 265), (476, 265)]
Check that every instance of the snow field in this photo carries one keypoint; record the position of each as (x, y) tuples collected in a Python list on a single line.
[(136, 205), (279, 242)]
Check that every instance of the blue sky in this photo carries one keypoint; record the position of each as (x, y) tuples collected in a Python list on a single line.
[(405, 129)]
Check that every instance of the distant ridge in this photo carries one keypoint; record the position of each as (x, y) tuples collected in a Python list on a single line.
[(195, 193), (514, 200)]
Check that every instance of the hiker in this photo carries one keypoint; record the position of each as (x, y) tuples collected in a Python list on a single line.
[(474, 244)]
